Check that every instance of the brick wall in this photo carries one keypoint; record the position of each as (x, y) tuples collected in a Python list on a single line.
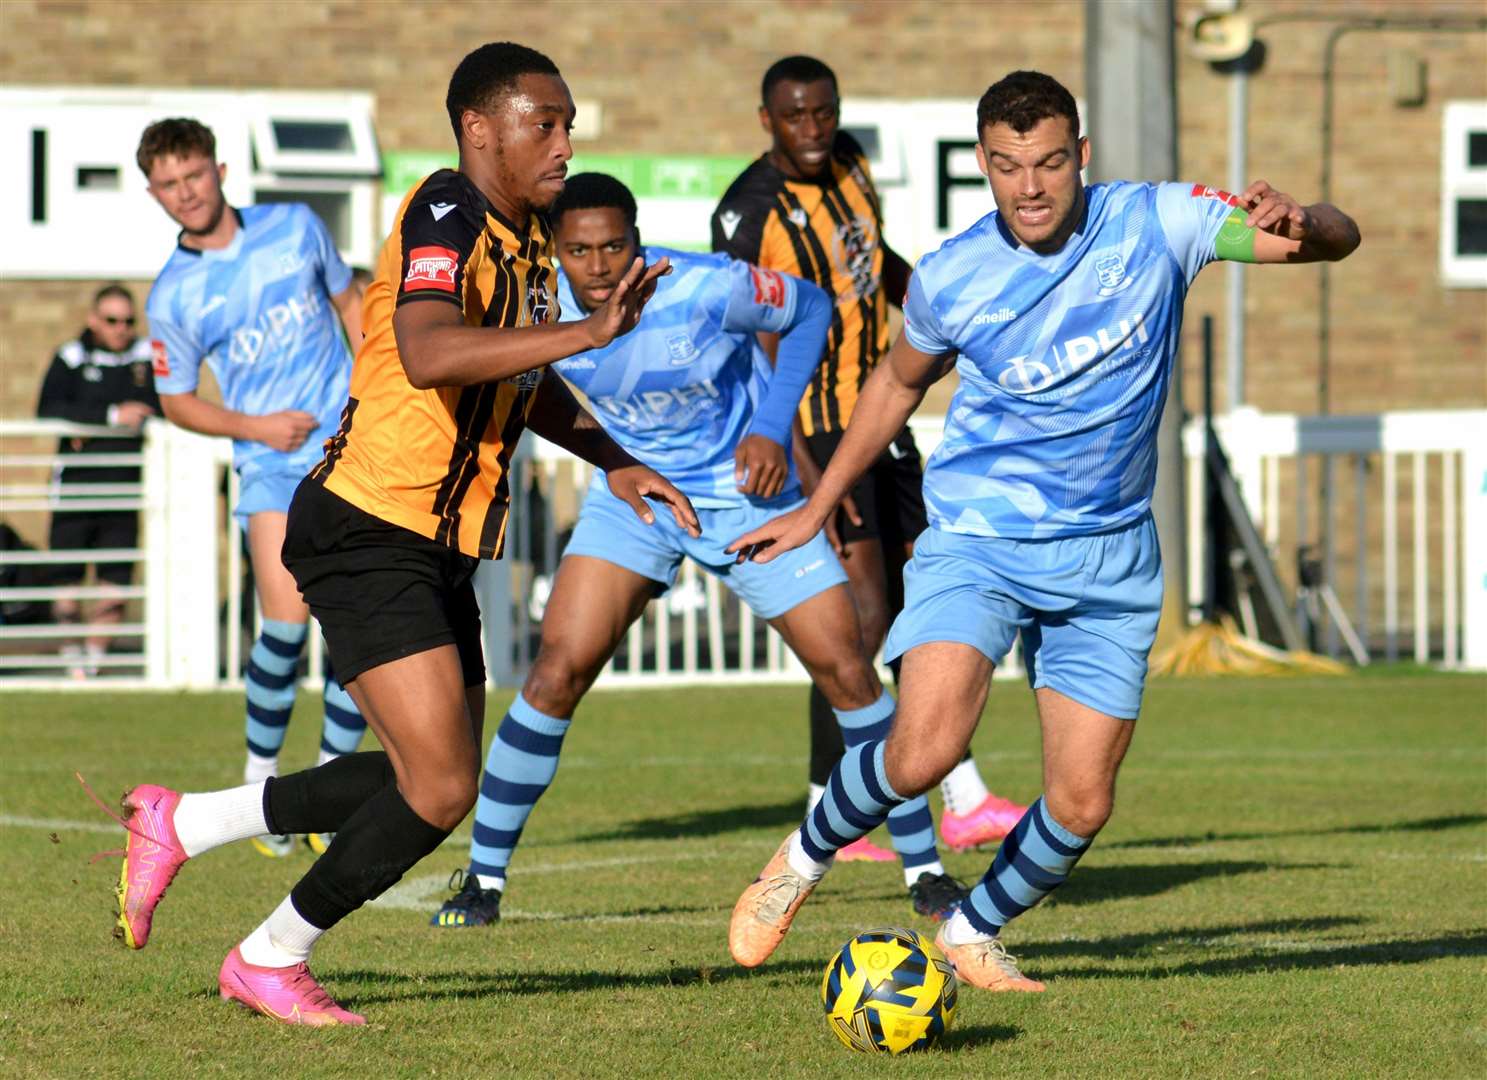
[(682, 77)]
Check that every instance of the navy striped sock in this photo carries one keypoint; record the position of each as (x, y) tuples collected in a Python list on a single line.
[(910, 825), (1033, 860), (522, 761), (857, 800), (344, 726), (272, 666)]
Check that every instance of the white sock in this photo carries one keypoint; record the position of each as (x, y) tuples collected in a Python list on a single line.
[(817, 791), (491, 881), (259, 769), (209, 819), (325, 756), (911, 876), (963, 789), (802, 863), (282, 940), (959, 931)]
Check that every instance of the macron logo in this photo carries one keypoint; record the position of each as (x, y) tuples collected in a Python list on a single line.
[(985, 318), (439, 209), (728, 220)]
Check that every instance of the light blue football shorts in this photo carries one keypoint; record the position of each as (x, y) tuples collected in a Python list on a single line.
[(266, 490), (608, 529), (1087, 607)]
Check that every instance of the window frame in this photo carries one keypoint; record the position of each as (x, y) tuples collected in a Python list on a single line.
[(364, 160), (1460, 180)]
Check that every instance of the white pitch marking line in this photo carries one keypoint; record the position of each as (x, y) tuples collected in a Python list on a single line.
[(15, 821)]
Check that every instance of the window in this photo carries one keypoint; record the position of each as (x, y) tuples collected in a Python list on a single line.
[(1464, 194), (324, 138)]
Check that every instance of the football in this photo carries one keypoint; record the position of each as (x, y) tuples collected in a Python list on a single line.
[(889, 991)]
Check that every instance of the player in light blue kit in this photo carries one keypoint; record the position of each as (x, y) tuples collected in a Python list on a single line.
[(1061, 312), (254, 293), (689, 393)]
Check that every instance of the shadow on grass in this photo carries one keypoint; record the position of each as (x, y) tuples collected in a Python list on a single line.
[(1434, 824), (705, 823), (1127, 945), (968, 1038), (369, 987), (1397, 951), (1095, 884)]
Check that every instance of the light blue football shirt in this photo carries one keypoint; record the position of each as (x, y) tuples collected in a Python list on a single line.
[(1064, 360), (259, 313), (679, 391)]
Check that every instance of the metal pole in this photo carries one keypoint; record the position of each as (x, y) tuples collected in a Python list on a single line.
[(1131, 91), (1238, 181)]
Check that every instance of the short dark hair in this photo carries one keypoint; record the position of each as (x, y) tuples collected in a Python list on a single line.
[(593, 191), (804, 69), (176, 137), (1023, 98), (487, 73), (114, 289)]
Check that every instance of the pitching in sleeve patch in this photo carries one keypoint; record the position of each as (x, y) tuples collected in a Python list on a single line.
[(769, 287), (159, 358), (1235, 241), (431, 267)]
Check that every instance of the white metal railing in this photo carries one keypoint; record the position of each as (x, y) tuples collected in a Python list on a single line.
[(1414, 553), (30, 486), (1410, 487)]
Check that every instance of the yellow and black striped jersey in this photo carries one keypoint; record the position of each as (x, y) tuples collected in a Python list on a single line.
[(829, 231), (437, 461)]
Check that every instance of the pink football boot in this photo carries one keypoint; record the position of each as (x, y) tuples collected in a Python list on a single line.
[(864, 850), (986, 824), (152, 855), (287, 994)]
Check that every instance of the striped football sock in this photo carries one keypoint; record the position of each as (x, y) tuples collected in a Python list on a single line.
[(857, 800), (910, 825), (344, 726), (1033, 860), (522, 761), (272, 666)]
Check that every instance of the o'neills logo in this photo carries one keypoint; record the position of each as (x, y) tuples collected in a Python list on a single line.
[(431, 268)]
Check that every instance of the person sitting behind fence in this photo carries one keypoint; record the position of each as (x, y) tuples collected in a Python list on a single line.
[(101, 377)]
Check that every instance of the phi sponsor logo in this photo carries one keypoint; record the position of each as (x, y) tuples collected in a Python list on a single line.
[(680, 350), (652, 406), (988, 318), (275, 327), (1024, 375), (431, 268), (1110, 268)]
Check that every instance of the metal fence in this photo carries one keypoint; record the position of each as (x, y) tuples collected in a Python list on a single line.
[(1405, 540)]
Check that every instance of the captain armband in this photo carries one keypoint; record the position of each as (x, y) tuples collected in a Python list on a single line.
[(1236, 240)]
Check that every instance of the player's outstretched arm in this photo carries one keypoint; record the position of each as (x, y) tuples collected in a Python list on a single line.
[(1278, 229), (437, 348), (558, 417), (891, 394)]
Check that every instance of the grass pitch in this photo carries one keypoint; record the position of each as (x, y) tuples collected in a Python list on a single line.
[(1292, 885)]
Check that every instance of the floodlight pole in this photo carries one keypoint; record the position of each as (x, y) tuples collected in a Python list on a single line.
[(1131, 95)]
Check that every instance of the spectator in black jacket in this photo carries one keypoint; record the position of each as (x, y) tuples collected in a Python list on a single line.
[(102, 377)]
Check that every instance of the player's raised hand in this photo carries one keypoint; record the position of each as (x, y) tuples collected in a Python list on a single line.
[(1275, 212), (636, 483), (759, 467), (284, 431), (776, 536), (619, 314)]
